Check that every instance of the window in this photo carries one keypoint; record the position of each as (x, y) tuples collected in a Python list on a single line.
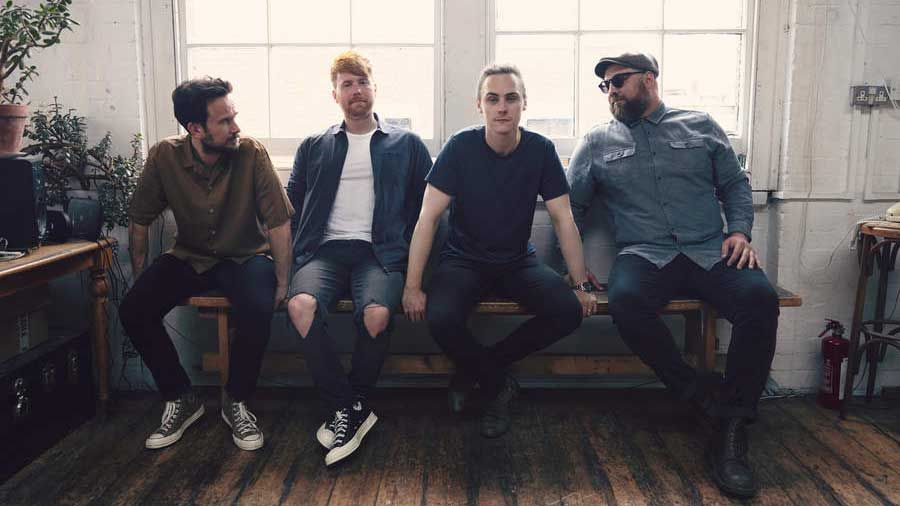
[(277, 54), (702, 47)]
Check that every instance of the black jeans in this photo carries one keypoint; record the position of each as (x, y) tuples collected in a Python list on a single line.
[(458, 284), (249, 286), (638, 290)]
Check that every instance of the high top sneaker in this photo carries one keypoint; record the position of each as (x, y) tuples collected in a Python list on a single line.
[(177, 416), (244, 431), (351, 425), (728, 459)]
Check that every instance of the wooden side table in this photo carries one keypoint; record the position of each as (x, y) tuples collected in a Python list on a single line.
[(56, 260), (879, 244)]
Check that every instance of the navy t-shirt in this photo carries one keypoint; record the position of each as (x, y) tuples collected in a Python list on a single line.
[(494, 196)]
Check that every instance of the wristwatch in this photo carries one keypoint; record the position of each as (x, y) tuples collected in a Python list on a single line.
[(586, 287)]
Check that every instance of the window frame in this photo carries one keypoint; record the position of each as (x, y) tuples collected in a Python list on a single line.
[(566, 145), (281, 148)]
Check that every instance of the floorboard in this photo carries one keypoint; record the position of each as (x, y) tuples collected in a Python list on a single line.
[(566, 447)]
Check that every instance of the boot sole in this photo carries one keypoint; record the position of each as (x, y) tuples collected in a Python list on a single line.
[(240, 443), (156, 444), (337, 454)]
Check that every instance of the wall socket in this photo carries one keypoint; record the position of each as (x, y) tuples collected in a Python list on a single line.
[(871, 95)]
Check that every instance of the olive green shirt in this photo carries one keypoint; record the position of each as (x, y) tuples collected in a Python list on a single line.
[(222, 211)]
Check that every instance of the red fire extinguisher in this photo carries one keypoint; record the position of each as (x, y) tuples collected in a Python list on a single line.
[(835, 350)]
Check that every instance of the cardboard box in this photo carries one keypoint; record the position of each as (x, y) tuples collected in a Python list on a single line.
[(23, 321)]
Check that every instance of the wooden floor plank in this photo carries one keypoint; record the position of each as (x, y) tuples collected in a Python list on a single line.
[(830, 472), (860, 446)]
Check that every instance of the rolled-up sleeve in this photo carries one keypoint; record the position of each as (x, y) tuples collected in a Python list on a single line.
[(272, 202), (149, 197)]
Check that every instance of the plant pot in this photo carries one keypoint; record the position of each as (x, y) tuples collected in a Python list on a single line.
[(12, 126)]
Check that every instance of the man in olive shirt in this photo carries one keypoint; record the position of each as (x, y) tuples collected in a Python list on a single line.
[(233, 221)]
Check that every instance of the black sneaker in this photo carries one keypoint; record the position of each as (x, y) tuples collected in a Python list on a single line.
[(177, 416), (244, 431), (325, 434), (495, 420), (350, 427), (728, 460)]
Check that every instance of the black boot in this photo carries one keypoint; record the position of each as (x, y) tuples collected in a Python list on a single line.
[(495, 420), (728, 459)]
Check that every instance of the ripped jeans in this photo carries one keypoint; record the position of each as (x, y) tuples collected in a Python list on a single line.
[(339, 267)]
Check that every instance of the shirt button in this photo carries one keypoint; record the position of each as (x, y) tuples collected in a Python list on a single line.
[(212, 232), (211, 210), (209, 187)]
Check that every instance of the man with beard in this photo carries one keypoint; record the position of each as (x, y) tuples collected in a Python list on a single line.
[(233, 221), (663, 173), (359, 185)]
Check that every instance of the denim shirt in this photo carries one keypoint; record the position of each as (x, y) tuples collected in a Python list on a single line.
[(663, 178), (400, 161)]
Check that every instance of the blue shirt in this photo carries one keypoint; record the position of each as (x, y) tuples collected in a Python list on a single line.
[(663, 178), (400, 161), (494, 196)]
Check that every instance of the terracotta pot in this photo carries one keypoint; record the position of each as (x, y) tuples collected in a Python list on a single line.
[(12, 126)]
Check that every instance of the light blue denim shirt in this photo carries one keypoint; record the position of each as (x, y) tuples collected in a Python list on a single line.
[(663, 178)]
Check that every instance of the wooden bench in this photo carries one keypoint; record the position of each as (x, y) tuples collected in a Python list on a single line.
[(700, 342)]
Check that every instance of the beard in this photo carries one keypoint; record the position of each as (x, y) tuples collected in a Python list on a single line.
[(229, 146), (629, 111)]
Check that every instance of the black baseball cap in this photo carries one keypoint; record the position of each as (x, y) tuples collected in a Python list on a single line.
[(639, 61)]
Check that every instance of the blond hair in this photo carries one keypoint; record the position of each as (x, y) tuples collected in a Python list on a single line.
[(350, 62)]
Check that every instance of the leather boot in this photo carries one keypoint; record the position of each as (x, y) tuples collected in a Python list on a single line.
[(496, 420), (728, 459)]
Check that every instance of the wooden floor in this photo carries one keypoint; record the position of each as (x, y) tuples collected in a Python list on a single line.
[(566, 447)]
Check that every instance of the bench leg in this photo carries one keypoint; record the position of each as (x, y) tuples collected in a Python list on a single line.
[(706, 353), (222, 323)]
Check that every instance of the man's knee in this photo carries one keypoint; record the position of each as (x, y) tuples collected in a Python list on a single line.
[(302, 310), (627, 302), (376, 319), (757, 298)]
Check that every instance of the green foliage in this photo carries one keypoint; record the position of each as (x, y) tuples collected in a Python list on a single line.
[(58, 134), (22, 30)]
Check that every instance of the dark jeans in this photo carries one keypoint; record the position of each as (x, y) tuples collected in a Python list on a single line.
[(638, 290), (249, 286), (337, 266), (458, 284)]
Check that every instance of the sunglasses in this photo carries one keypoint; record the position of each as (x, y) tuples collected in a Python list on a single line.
[(618, 80)]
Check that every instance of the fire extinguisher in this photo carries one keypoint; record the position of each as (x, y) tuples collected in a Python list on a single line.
[(835, 351)]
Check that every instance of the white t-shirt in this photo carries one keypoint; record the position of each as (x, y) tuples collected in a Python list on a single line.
[(354, 204)]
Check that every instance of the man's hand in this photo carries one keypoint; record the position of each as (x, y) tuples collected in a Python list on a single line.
[(414, 300), (590, 275), (588, 302), (280, 295), (741, 253)]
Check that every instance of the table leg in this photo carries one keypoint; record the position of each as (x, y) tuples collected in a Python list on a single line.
[(865, 264), (99, 289)]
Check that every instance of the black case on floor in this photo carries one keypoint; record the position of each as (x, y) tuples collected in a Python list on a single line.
[(46, 392)]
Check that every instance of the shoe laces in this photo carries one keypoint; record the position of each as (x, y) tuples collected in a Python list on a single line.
[(736, 439), (341, 422), (170, 415), (244, 421)]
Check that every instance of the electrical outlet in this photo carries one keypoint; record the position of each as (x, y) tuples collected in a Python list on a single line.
[(871, 95)]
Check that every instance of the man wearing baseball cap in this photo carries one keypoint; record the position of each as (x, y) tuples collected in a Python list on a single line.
[(666, 174)]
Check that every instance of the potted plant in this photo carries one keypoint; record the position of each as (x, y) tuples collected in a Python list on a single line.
[(59, 136), (22, 30)]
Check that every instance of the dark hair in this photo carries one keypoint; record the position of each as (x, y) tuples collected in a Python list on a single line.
[(191, 97), (495, 69)]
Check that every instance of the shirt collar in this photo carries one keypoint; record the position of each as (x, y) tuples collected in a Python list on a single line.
[(655, 117), (342, 128)]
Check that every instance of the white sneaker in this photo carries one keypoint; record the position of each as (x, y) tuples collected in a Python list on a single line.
[(350, 427)]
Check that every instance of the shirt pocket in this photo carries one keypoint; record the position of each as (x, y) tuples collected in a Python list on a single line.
[(619, 163), (689, 153)]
